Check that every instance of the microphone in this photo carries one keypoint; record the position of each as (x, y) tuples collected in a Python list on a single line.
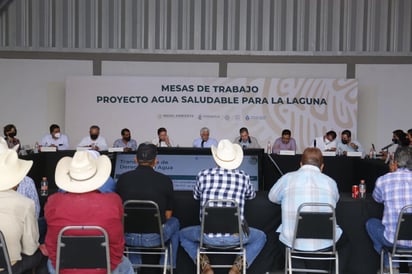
[(388, 146), (314, 143), (202, 143)]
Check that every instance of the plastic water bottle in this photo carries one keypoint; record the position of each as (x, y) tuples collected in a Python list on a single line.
[(44, 187), (36, 147), (362, 189), (372, 153), (269, 148)]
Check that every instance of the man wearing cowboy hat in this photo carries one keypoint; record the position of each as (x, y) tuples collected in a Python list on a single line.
[(227, 181), (17, 214), (82, 204), (26, 186)]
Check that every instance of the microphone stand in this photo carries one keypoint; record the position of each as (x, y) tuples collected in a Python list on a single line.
[(275, 164)]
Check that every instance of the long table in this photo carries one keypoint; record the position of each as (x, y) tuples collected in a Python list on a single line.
[(345, 170)]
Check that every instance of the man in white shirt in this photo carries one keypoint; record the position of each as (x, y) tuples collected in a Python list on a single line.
[(18, 220), (55, 139), (204, 141), (327, 142), (162, 139), (94, 141)]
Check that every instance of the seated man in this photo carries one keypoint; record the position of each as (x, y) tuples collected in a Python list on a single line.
[(144, 183), (204, 140), (347, 144), (126, 142), (10, 132), (326, 142), (55, 139), (307, 184), (82, 204), (227, 181), (26, 186), (162, 139), (285, 142), (394, 190), (245, 140), (18, 220), (94, 140)]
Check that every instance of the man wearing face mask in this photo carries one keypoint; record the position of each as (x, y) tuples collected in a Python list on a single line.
[(10, 132), (55, 139), (94, 140), (347, 144)]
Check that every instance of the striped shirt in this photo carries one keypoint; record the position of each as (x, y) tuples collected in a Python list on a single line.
[(394, 190), (306, 185)]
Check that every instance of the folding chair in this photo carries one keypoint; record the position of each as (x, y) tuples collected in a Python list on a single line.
[(221, 217), (81, 247), (141, 217), (313, 221), (398, 253), (5, 263)]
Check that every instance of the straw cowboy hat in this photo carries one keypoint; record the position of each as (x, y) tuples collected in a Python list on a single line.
[(227, 155), (12, 169), (83, 172), (4, 146)]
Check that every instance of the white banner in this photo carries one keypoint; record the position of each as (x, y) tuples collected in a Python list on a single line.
[(266, 106)]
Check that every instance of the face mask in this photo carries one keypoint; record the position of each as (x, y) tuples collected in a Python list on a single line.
[(345, 142), (57, 135), (395, 141), (93, 136), (12, 134)]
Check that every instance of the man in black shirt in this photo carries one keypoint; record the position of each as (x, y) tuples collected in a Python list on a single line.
[(144, 183)]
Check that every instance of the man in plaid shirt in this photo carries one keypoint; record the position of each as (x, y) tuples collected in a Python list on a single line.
[(224, 182), (394, 190)]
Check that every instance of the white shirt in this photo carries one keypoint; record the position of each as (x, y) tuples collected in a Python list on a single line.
[(155, 141), (62, 143), (324, 144), (99, 142), (18, 224)]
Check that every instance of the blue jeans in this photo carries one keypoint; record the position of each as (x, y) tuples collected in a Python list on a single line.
[(125, 267), (190, 237), (170, 232), (375, 229)]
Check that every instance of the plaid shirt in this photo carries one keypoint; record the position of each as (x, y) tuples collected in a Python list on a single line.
[(220, 183), (306, 185), (394, 190), (27, 188)]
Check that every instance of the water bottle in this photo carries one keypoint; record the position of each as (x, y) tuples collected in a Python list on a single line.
[(44, 187), (372, 152), (362, 189), (36, 147), (269, 148)]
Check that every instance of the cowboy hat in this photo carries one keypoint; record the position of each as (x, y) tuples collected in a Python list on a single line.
[(227, 155), (83, 172), (12, 169), (4, 146)]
